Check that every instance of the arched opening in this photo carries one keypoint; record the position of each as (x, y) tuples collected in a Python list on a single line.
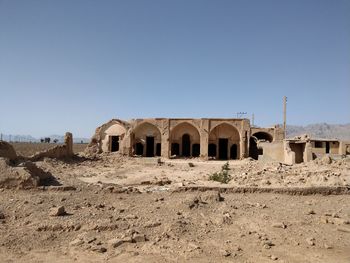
[(222, 136), (195, 150), (212, 150), (185, 140), (148, 135), (186, 145), (175, 149), (112, 136), (139, 149), (254, 152), (233, 152)]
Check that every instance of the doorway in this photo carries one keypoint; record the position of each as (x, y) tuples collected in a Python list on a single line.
[(149, 146), (233, 152), (298, 149), (196, 150), (186, 145), (212, 150), (223, 145), (114, 143), (139, 149), (158, 149), (175, 149), (327, 147)]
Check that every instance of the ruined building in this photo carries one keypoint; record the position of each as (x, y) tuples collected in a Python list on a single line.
[(221, 139)]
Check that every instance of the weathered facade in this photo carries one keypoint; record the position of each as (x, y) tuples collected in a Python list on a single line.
[(303, 149), (221, 139)]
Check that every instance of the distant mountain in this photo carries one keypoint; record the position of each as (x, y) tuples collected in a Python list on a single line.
[(18, 138), (29, 138), (321, 130), (318, 130)]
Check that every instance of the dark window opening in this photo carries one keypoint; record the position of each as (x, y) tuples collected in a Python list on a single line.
[(223, 147), (233, 152), (195, 150), (158, 149), (186, 145), (175, 149), (139, 149), (212, 150), (318, 145), (327, 147), (114, 143), (149, 146)]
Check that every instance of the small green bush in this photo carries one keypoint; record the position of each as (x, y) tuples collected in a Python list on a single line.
[(223, 176)]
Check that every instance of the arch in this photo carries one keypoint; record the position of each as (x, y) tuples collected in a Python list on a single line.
[(223, 136), (111, 135), (263, 136), (149, 136), (182, 139), (254, 151)]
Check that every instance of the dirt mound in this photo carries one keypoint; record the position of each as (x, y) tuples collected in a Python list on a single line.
[(7, 151), (93, 148), (24, 176)]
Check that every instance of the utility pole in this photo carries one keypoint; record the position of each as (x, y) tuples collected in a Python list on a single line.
[(285, 116), (253, 120), (1, 137)]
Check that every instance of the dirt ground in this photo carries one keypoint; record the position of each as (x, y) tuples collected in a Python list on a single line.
[(28, 148), (122, 209)]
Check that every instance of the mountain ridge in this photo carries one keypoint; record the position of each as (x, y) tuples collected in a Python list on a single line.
[(315, 130)]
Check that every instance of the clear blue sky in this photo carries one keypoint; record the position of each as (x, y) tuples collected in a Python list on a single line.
[(73, 65)]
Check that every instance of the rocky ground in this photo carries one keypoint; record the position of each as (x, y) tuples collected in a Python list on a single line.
[(117, 209)]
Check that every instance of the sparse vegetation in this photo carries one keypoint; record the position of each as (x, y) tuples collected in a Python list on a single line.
[(223, 176)]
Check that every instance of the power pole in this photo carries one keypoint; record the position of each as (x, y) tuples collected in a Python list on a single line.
[(285, 116), (253, 120)]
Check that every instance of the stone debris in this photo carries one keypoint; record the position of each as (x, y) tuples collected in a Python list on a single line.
[(25, 175), (344, 229), (273, 257), (225, 253), (279, 225), (138, 238), (57, 211), (310, 241)]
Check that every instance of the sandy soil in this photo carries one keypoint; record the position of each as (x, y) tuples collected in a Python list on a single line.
[(135, 210)]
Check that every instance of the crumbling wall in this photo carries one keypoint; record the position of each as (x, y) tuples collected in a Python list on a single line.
[(289, 155), (100, 141), (272, 151), (24, 176), (344, 148), (58, 152), (7, 151)]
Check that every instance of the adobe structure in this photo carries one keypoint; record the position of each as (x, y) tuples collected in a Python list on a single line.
[(302, 149), (221, 139)]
